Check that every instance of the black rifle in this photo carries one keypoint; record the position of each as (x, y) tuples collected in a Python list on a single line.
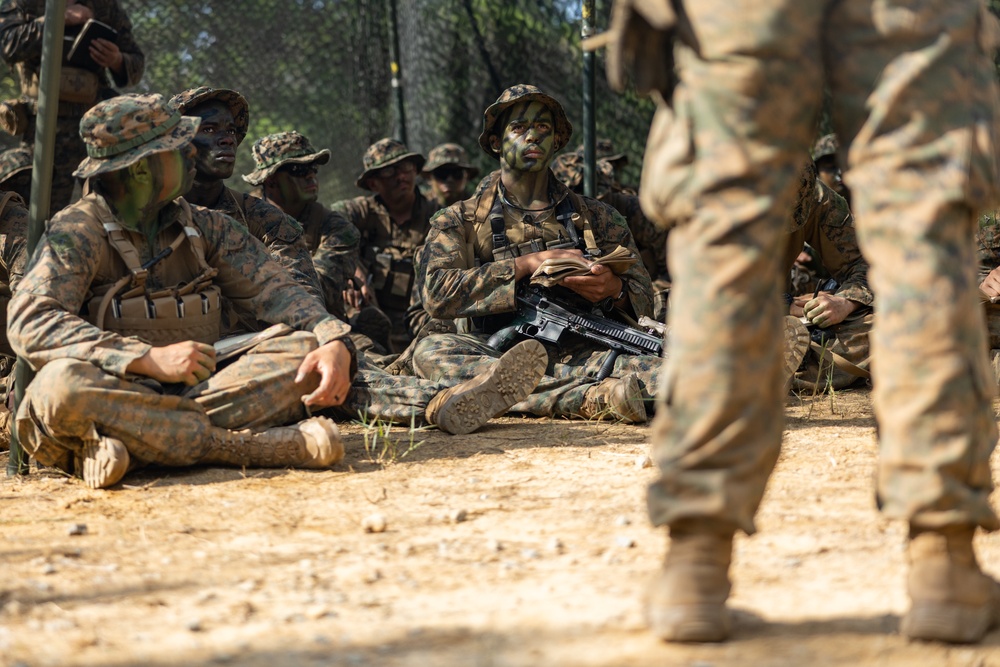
[(547, 319)]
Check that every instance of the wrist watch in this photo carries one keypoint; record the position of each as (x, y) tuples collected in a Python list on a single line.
[(621, 294)]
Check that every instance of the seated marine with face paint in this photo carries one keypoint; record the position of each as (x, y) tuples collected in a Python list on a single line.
[(119, 312)]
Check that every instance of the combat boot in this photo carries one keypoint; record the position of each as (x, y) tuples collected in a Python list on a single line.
[(951, 600), (313, 443), (796, 344), (101, 462), (615, 398), (467, 406), (687, 598)]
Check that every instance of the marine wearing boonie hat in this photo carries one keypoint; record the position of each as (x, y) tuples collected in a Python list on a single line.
[(449, 155), (568, 168), (524, 92), (122, 130), (383, 153), (238, 106), (824, 146), (13, 161), (270, 153), (605, 150)]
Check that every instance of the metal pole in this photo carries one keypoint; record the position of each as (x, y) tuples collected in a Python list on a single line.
[(397, 75), (41, 183), (589, 124)]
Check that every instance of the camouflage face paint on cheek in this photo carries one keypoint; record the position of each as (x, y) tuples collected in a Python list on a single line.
[(528, 137)]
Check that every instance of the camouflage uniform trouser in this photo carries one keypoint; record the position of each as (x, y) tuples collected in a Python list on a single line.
[(921, 167), (70, 151), (71, 400), (453, 358), (377, 394)]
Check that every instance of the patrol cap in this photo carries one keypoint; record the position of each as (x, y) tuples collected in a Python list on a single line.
[(383, 153), (238, 106), (275, 150), (123, 130), (524, 92), (13, 161), (449, 155)]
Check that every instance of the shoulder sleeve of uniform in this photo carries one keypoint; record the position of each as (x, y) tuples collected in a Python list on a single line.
[(275, 224), (355, 210), (447, 218)]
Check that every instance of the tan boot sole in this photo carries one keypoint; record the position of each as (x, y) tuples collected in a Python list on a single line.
[(105, 462), (690, 623), (796, 337), (510, 381)]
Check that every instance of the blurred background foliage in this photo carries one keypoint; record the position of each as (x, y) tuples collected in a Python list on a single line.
[(322, 67)]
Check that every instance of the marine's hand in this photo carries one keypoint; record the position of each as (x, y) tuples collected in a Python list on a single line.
[(353, 298), (600, 284), (798, 304), (188, 362), (828, 309), (991, 284), (77, 14), (525, 265), (106, 54), (333, 363)]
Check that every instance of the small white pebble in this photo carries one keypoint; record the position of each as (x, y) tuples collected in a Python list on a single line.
[(622, 520), (556, 545), (643, 461), (77, 529), (374, 523), (530, 554), (457, 516), (49, 569), (624, 542), (194, 625), (494, 545)]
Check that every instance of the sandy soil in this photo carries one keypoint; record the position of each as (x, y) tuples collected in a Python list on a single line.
[(524, 544)]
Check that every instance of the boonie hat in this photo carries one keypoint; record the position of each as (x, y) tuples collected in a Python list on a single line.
[(383, 153), (605, 149), (524, 92), (825, 145), (15, 160), (449, 154), (123, 130), (275, 150), (237, 104)]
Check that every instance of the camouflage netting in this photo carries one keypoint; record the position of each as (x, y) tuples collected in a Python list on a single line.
[(322, 67)]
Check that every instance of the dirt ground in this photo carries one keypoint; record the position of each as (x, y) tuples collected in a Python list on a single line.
[(524, 544)]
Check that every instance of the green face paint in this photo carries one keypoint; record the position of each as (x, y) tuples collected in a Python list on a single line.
[(528, 139)]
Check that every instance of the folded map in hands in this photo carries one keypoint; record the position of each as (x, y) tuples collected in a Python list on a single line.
[(551, 271)]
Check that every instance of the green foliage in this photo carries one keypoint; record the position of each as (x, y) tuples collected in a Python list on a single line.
[(322, 67), (383, 446)]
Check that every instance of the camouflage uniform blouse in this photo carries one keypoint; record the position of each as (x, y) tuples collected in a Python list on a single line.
[(334, 245), (649, 239), (280, 233), (21, 23), (456, 285), (988, 240), (379, 234), (13, 257), (824, 221), (45, 324)]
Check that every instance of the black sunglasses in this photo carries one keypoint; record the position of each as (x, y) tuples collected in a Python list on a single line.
[(300, 170)]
